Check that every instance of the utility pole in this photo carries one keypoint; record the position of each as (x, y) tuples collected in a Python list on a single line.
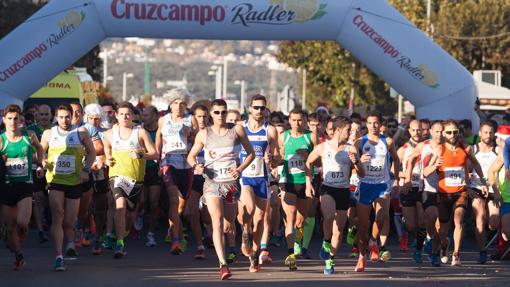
[(303, 99), (147, 79)]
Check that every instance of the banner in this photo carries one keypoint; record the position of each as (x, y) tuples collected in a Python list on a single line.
[(372, 30)]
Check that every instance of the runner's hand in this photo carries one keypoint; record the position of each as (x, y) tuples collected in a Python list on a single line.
[(353, 158), (365, 158), (485, 191), (439, 162), (109, 162), (497, 199), (235, 173), (199, 169), (309, 190), (39, 172)]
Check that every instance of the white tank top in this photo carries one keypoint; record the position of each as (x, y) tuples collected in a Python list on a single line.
[(416, 175), (175, 143), (377, 170), (485, 159), (336, 166), (429, 183)]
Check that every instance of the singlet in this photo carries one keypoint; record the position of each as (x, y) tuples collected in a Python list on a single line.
[(416, 176), (18, 158), (221, 154), (503, 186), (452, 173), (293, 163), (430, 182), (125, 165), (65, 155), (377, 170), (486, 159), (152, 134), (336, 166), (175, 143), (260, 143)]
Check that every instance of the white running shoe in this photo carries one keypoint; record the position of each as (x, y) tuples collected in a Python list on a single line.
[(151, 242)]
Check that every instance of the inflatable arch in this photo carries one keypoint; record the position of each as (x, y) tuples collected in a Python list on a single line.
[(372, 30)]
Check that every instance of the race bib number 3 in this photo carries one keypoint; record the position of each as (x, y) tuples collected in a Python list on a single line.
[(454, 176), (124, 183), (65, 164), (296, 164), (17, 167)]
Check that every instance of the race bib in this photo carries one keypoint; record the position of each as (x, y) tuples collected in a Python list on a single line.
[(454, 176), (296, 164), (17, 167), (222, 170), (375, 168), (125, 183), (256, 168), (65, 164), (354, 181), (176, 145), (338, 176)]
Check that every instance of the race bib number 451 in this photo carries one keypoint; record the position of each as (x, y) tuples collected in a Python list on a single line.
[(455, 176)]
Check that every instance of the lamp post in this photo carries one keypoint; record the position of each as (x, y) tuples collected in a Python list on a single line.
[(242, 100), (217, 72), (125, 76)]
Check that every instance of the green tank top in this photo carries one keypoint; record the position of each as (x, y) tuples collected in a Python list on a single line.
[(504, 186), (18, 159), (151, 163), (293, 163)]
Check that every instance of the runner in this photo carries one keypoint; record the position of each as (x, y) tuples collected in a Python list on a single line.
[(17, 147), (338, 157), (356, 133), (295, 145), (127, 148), (254, 189), (373, 188), (486, 154), (173, 143), (424, 152), (410, 194), (66, 145), (450, 160), (152, 181), (221, 171)]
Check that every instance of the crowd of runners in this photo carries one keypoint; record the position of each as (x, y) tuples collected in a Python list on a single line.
[(96, 174)]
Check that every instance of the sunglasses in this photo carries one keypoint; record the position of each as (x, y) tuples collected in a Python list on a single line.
[(220, 112), (259, 108), (454, 132)]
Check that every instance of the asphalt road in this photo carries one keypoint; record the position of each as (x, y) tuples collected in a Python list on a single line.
[(155, 266)]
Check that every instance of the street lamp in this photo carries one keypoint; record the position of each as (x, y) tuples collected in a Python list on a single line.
[(217, 72), (243, 93), (125, 76), (104, 55)]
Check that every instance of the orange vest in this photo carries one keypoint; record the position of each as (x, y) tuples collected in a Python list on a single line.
[(453, 173)]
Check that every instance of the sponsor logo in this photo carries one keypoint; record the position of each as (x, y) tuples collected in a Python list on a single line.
[(67, 25), (202, 14), (279, 12), (419, 72), (58, 85)]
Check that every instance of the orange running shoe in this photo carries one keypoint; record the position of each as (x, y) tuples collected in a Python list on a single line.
[(360, 267), (374, 252), (404, 242)]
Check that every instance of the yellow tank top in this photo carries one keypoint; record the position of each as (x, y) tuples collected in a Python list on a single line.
[(125, 165), (65, 155)]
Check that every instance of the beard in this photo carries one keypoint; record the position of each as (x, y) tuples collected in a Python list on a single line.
[(452, 140)]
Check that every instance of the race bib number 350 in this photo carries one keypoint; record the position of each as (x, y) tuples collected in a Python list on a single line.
[(65, 164), (454, 176)]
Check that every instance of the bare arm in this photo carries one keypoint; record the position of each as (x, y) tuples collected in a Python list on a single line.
[(312, 157), (89, 146), (475, 163), (493, 170), (37, 146), (356, 161), (273, 146), (159, 139), (394, 156), (412, 161), (44, 144), (197, 147), (250, 154), (107, 147)]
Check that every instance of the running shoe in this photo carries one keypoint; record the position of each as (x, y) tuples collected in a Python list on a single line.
[(444, 254), (151, 242), (455, 260), (59, 264), (200, 253), (427, 247), (96, 248), (231, 258), (329, 267), (139, 221), (297, 248), (184, 244), (109, 242), (417, 257), (291, 262), (298, 243), (404, 242), (254, 264), (384, 254), (374, 251), (87, 238), (78, 237), (360, 267), (119, 252), (482, 259), (325, 250), (304, 254), (434, 260), (264, 258), (246, 245), (354, 252), (225, 272), (71, 250), (274, 241), (42, 237), (175, 249), (351, 235), (19, 263)]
